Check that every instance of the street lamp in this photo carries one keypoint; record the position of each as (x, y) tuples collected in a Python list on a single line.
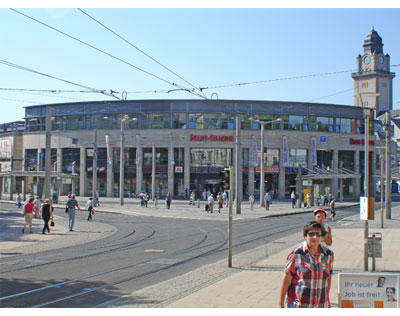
[(122, 158), (262, 123)]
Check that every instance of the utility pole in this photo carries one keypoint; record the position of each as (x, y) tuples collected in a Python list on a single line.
[(230, 170), (237, 156), (122, 164), (366, 182), (382, 186), (94, 184), (262, 167), (388, 191), (47, 161)]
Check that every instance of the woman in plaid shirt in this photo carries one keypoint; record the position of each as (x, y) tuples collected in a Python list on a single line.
[(307, 277)]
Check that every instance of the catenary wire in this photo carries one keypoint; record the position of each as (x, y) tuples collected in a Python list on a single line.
[(140, 50), (110, 55), (7, 63)]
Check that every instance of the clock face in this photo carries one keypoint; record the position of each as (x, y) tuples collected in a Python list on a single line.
[(366, 60), (381, 60)]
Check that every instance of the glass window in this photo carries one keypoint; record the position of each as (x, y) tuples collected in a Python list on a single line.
[(296, 157), (196, 120), (266, 118), (245, 157), (147, 157), (70, 155), (297, 123), (179, 120), (156, 121), (31, 159), (35, 124), (321, 124), (343, 125), (272, 158), (162, 157)]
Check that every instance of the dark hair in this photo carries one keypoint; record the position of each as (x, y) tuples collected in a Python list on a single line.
[(311, 226), (392, 288)]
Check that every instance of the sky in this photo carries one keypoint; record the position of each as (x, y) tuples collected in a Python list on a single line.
[(271, 52)]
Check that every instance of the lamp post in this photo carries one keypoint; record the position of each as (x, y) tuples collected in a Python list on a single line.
[(262, 123), (122, 158)]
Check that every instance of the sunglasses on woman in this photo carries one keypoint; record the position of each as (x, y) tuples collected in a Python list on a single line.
[(313, 234)]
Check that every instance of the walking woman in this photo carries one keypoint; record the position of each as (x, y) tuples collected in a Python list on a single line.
[(46, 215), (28, 214), (71, 205)]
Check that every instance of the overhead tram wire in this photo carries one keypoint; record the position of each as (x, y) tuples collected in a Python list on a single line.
[(7, 63), (108, 54), (140, 50)]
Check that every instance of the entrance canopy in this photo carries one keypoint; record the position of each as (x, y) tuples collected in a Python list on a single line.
[(321, 174)]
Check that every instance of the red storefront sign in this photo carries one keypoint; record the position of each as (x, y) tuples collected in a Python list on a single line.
[(360, 142), (269, 170), (211, 138)]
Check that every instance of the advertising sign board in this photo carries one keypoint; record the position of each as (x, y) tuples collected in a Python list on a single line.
[(369, 290)]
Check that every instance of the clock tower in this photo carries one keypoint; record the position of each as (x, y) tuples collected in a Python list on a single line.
[(373, 79)]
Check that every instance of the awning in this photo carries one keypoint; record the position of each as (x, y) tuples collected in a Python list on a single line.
[(321, 174)]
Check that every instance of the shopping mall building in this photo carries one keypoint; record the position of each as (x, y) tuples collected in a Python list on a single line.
[(184, 145)]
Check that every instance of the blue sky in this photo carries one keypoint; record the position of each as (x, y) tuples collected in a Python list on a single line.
[(206, 47)]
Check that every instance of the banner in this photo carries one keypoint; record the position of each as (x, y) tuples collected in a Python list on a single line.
[(108, 146), (285, 152), (313, 151), (137, 149), (171, 153), (254, 152)]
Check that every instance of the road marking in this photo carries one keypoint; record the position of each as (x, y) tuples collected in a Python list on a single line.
[(154, 250)]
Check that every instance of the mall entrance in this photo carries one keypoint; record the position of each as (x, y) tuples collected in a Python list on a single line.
[(206, 167)]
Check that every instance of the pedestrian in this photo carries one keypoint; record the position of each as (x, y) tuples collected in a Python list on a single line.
[(146, 199), (320, 216), (46, 215), (192, 198), (293, 198), (19, 202), (307, 277), (325, 199), (220, 202), (251, 201), (55, 197), (308, 199), (267, 200), (89, 206), (168, 200), (186, 193), (72, 204), (27, 212), (205, 195), (211, 203), (36, 207), (97, 202), (225, 198), (333, 211)]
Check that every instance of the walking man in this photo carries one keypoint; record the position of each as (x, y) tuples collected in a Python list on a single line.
[(267, 199), (71, 205), (211, 203), (89, 206), (293, 198), (320, 216), (168, 200)]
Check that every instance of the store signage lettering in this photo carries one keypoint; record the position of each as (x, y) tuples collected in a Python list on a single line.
[(210, 138), (360, 142)]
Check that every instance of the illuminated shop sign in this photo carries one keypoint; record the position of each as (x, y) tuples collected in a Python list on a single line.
[(210, 138)]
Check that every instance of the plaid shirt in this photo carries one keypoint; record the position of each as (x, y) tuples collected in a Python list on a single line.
[(309, 286)]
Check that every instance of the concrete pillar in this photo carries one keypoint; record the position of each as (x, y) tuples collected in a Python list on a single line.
[(171, 171), (356, 182), (83, 174), (281, 182), (335, 167), (186, 169), (139, 169), (251, 178), (153, 173), (110, 178)]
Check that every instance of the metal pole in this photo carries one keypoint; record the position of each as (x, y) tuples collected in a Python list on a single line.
[(373, 253), (237, 152), (153, 173), (262, 167), (94, 184), (122, 165), (47, 164), (382, 187), (366, 183), (388, 191), (230, 217)]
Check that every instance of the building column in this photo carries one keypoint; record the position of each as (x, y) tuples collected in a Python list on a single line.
[(335, 167), (153, 173), (240, 175), (281, 182), (83, 173), (186, 168), (58, 183), (251, 178), (171, 172), (139, 169)]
